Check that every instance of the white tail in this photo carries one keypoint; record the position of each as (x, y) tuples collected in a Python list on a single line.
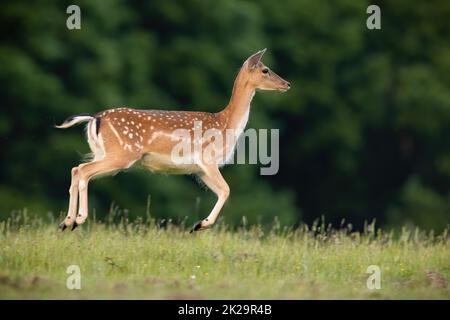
[(120, 137), (73, 120)]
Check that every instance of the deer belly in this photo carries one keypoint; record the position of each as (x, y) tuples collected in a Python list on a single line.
[(163, 163)]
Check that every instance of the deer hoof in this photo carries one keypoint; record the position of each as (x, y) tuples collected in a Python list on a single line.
[(75, 224), (199, 226), (62, 226)]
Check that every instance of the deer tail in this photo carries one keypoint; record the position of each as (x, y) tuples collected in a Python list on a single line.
[(76, 119)]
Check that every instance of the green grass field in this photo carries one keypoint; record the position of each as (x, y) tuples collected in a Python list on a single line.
[(141, 261)]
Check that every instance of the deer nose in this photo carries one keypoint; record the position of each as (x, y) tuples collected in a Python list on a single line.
[(288, 84)]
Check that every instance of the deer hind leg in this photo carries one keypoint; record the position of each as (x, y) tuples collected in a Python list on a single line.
[(212, 177), (73, 201), (86, 171)]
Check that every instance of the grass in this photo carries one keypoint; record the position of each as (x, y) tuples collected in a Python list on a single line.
[(141, 261)]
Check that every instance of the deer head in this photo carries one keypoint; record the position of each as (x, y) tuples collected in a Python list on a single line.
[(260, 76)]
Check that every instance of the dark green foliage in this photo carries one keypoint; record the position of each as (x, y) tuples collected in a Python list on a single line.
[(364, 129)]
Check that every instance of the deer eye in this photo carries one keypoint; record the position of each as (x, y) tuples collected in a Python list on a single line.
[(265, 70)]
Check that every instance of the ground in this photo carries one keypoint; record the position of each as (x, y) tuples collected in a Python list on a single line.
[(141, 261)]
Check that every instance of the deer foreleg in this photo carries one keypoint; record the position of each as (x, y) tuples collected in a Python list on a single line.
[(212, 177)]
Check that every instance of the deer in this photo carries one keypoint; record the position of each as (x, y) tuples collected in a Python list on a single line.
[(121, 137)]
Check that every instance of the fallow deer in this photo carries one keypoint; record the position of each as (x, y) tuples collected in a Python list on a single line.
[(120, 137)]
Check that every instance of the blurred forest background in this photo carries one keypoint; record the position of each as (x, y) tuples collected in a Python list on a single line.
[(364, 130)]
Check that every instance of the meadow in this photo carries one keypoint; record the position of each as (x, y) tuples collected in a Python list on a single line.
[(142, 260)]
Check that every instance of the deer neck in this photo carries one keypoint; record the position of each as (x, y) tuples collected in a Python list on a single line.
[(237, 110)]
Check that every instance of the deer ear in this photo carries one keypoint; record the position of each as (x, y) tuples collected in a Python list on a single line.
[(255, 58)]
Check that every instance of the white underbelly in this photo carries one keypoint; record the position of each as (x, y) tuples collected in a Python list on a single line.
[(157, 162)]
